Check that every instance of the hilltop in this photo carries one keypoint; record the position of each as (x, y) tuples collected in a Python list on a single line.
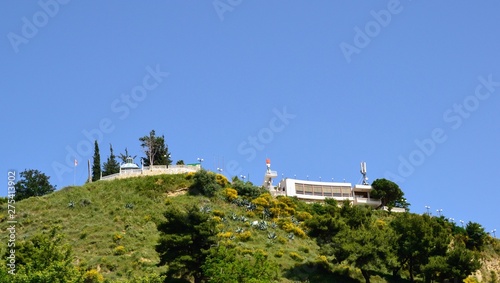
[(112, 229)]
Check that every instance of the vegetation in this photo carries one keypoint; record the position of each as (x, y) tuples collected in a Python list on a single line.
[(389, 193), (185, 239), (155, 149), (111, 166), (171, 228), (96, 165), (33, 183)]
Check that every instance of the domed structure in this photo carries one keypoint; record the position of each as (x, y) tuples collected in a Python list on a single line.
[(129, 164)]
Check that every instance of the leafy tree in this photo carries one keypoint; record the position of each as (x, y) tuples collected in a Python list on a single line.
[(185, 240), (111, 166), (368, 248), (96, 166), (462, 262), (476, 236), (389, 193), (355, 216), (123, 156), (204, 183), (43, 258), (324, 227), (224, 264), (155, 149), (33, 183), (179, 162), (418, 239)]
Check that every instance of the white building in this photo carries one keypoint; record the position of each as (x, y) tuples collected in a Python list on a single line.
[(311, 191)]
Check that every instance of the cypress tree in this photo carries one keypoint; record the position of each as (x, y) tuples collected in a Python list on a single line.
[(96, 166)]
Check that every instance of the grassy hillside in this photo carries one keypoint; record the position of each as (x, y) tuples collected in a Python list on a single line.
[(111, 226)]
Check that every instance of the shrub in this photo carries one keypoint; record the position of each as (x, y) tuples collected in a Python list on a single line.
[(219, 213), (226, 235), (93, 276), (295, 256), (120, 250), (117, 237), (167, 201), (304, 249), (282, 240), (222, 180), (245, 236), (230, 194), (279, 254), (204, 183), (303, 216)]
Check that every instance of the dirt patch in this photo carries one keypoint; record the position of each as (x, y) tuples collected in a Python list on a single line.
[(178, 192)]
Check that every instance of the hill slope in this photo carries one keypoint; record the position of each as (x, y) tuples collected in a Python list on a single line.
[(111, 226)]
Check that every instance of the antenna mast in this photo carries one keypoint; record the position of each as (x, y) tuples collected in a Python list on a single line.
[(363, 172)]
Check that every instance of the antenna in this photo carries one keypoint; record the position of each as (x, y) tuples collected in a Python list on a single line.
[(363, 172)]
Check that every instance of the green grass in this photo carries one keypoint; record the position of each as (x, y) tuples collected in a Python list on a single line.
[(111, 226)]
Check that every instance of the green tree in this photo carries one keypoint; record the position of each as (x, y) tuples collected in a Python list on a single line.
[(155, 149), (111, 166), (204, 183), (418, 239), (96, 165), (476, 236), (247, 189), (185, 240), (368, 247), (462, 262), (43, 258), (179, 162), (225, 265), (33, 183), (389, 193)]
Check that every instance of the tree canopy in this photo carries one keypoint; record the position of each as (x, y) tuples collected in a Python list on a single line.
[(185, 239), (155, 149), (389, 193), (111, 166), (33, 183)]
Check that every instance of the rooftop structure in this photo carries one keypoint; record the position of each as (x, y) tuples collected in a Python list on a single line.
[(311, 191)]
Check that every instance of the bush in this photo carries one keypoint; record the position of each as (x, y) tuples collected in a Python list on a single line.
[(117, 237), (295, 256), (120, 250), (222, 180), (226, 235), (230, 194), (204, 183), (93, 276), (245, 236), (303, 216), (219, 213)]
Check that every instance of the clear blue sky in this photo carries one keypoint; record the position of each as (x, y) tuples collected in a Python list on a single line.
[(410, 87)]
